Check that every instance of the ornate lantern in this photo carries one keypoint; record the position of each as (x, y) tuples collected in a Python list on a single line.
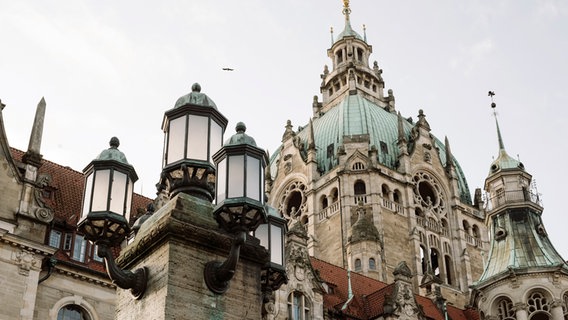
[(193, 133), (240, 200), (106, 212)]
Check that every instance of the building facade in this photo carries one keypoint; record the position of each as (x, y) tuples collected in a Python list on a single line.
[(381, 225)]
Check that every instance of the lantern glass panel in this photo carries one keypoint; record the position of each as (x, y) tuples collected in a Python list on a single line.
[(221, 180), (176, 140), (276, 244), (216, 141), (236, 176), (197, 137), (253, 178), (100, 192), (118, 192), (129, 199), (261, 233), (87, 195)]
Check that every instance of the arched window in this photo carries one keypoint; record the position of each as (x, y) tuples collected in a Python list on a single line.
[(372, 264), (360, 190), (435, 262), (423, 259), (538, 306), (323, 202), (298, 306), (466, 227), (72, 312), (505, 310), (334, 195), (385, 191), (448, 263), (357, 264), (396, 196), (475, 231)]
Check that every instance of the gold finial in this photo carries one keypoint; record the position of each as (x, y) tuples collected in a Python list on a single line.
[(346, 10)]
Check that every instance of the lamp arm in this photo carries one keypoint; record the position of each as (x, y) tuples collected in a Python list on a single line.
[(217, 275), (125, 279)]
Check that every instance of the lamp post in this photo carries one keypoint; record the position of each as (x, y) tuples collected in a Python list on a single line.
[(193, 132), (271, 236), (239, 200), (106, 212)]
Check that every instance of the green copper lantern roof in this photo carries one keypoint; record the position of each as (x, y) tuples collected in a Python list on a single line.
[(348, 31), (240, 137), (195, 97), (113, 153)]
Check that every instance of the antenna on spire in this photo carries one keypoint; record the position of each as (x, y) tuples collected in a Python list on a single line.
[(494, 106)]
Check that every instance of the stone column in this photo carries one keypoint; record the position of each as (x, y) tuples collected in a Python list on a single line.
[(174, 244), (556, 311), (521, 311)]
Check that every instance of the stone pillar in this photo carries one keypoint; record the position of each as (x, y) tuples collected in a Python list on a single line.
[(174, 244), (556, 311), (521, 311)]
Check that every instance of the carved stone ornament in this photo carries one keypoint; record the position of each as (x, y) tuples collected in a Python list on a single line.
[(25, 261)]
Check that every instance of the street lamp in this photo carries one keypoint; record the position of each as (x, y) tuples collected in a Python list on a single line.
[(193, 132), (239, 200), (106, 211), (271, 236)]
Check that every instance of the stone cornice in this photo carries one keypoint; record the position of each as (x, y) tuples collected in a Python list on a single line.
[(26, 244), (187, 219)]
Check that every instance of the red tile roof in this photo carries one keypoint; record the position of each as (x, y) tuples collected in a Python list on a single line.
[(369, 296), (67, 195)]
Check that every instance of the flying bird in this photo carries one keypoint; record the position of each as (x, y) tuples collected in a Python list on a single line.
[(228, 69)]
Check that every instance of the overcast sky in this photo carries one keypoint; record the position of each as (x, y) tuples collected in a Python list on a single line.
[(111, 68)]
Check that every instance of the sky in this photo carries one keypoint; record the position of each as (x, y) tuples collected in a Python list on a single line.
[(112, 68)]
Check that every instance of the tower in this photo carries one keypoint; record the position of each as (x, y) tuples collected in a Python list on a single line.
[(524, 278), (373, 188)]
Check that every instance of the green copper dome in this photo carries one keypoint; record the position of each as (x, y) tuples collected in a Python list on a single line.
[(356, 117), (240, 137), (113, 153), (195, 97)]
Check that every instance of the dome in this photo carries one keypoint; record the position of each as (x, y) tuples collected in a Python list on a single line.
[(195, 97), (113, 153), (505, 162), (240, 137), (359, 118), (348, 32)]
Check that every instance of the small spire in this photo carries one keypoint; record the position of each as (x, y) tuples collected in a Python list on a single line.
[(401, 136), (311, 139), (32, 155), (449, 162), (493, 106), (364, 33), (331, 31), (34, 145)]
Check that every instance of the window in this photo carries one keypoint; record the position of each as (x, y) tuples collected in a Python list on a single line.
[(95, 253), (358, 166), (538, 306), (360, 190), (505, 310), (323, 202), (298, 306), (68, 241), (79, 248), (372, 264), (55, 238), (357, 264), (72, 312), (448, 263)]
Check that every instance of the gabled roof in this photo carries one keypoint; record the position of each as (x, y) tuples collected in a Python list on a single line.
[(369, 296)]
